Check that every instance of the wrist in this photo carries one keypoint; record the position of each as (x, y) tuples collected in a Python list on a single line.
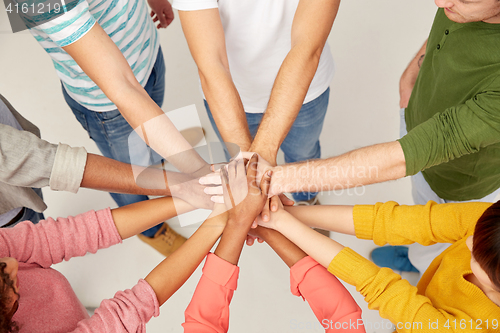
[(218, 217), (281, 220), (240, 223), (267, 152), (275, 187)]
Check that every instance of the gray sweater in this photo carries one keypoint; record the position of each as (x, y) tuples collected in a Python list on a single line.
[(27, 161)]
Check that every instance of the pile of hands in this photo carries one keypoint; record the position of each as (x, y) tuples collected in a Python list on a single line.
[(242, 189)]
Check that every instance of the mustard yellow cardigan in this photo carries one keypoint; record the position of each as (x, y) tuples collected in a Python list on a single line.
[(443, 301)]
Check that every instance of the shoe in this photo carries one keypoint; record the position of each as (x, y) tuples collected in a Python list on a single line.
[(395, 257), (313, 202), (165, 241)]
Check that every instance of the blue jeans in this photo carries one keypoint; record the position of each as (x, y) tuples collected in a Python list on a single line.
[(302, 141), (110, 131)]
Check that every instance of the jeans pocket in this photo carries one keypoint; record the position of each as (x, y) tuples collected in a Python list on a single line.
[(82, 119), (114, 125)]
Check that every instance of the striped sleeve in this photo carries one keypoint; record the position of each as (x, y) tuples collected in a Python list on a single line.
[(69, 27)]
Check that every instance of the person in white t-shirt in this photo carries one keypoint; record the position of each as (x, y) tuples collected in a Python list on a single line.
[(265, 71)]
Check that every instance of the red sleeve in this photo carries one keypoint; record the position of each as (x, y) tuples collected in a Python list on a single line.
[(209, 307), (330, 301), (52, 241)]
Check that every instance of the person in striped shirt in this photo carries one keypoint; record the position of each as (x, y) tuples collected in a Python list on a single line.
[(108, 58)]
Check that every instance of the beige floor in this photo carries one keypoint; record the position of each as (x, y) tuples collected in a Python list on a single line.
[(372, 42)]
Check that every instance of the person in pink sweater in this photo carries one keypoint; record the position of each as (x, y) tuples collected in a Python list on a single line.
[(208, 310), (37, 298)]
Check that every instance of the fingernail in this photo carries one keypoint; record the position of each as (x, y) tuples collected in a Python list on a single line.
[(266, 218), (269, 173), (274, 207), (206, 190)]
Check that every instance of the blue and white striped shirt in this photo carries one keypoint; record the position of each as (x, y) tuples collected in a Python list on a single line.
[(128, 24)]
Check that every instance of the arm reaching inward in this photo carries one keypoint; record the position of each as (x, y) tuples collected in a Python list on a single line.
[(311, 26), (364, 166), (209, 307), (332, 304), (382, 288), (130, 310), (205, 36), (103, 62)]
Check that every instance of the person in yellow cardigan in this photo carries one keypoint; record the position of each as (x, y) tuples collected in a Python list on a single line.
[(459, 292)]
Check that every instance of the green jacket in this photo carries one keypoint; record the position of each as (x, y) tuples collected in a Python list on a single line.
[(453, 117)]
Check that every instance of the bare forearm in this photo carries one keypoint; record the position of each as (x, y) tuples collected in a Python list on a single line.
[(319, 247), (364, 166), (104, 63), (172, 272), (205, 36), (409, 77), (413, 68), (226, 106), (232, 241), (328, 217), (135, 218), (311, 26), (284, 248), (105, 174), (288, 93)]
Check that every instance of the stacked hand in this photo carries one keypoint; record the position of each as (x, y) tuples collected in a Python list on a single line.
[(243, 197), (274, 201)]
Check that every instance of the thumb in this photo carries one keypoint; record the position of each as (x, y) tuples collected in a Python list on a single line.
[(265, 183)]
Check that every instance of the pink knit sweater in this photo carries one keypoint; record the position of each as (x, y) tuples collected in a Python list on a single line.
[(47, 303)]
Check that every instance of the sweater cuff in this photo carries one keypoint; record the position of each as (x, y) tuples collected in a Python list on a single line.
[(298, 273), (352, 267), (69, 165), (145, 292), (364, 218), (111, 236), (221, 272)]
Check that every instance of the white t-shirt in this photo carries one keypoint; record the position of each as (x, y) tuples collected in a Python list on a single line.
[(258, 38)]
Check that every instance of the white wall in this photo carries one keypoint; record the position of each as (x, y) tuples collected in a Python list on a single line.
[(372, 42)]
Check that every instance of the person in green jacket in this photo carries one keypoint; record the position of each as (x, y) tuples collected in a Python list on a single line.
[(452, 118)]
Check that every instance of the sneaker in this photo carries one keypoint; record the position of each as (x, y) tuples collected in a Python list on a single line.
[(313, 202), (395, 257), (165, 241)]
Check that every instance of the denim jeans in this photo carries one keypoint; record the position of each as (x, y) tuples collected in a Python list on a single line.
[(110, 131), (302, 141), (422, 256)]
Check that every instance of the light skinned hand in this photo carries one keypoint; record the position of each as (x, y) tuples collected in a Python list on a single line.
[(275, 216), (194, 193), (243, 197)]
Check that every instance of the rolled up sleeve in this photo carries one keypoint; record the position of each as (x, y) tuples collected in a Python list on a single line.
[(69, 166)]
